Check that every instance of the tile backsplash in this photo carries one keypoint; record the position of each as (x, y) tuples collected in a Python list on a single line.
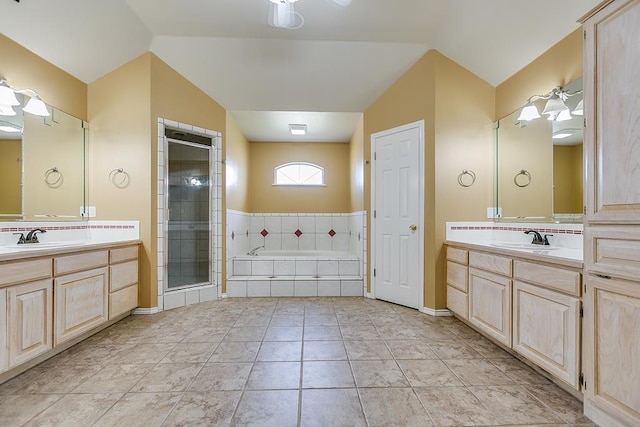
[(93, 231)]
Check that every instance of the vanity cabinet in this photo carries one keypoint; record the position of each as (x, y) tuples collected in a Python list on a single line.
[(458, 281), (612, 220), (4, 349), (123, 280)]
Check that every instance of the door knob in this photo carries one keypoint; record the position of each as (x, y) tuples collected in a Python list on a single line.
[(413, 227)]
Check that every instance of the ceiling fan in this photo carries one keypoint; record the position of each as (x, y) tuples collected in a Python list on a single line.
[(283, 15)]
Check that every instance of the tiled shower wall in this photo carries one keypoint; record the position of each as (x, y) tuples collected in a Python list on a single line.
[(343, 232)]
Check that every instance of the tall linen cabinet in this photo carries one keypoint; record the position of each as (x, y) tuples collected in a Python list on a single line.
[(612, 213)]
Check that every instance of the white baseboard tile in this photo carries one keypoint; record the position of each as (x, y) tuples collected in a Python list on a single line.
[(152, 310), (368, 295), (437, 313), (223, 296)]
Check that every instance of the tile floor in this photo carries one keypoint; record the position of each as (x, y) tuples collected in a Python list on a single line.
[(285, 362)]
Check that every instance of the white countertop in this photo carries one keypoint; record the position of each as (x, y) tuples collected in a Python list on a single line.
[(32, 250), (556, 255)]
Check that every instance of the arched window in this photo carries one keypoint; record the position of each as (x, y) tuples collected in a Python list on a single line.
[(298, 173)]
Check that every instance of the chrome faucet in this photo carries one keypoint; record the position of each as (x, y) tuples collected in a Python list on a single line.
[(538, 239), (253, 252), (31, 236)]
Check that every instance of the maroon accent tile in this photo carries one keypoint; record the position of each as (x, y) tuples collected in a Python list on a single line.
[(332, 232), (264, 233), (298, 232)]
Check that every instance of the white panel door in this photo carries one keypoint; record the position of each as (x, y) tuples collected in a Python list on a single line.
[(397, 220)]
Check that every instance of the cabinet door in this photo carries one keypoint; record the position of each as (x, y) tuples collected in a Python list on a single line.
[(546, 327), (612, 138), (81, 303), (490, 304), (613, 346), (29, 311), (4, 350)]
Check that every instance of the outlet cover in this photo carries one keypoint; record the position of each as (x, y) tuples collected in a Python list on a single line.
[(88, 211), (494, 212)]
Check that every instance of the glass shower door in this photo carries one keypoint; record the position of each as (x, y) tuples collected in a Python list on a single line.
[(189, 198)]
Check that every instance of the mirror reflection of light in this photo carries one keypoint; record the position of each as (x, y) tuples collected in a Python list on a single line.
[(195, 181), (232, 174)]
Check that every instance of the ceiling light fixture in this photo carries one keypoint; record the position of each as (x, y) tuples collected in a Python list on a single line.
[(555, 108), (564, 133), (297, 129), (10, 129), (8, 100), (283, 15)]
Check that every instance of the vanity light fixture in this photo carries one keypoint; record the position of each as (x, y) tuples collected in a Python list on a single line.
[(555, 108), (8, 100), (298, 129)]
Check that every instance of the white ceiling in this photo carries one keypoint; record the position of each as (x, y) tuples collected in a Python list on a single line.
[(340, 61)]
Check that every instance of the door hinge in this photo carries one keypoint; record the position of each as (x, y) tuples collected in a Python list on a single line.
[(584, 35), (375, 155), (375, 214), (374, 272), (584, 122), (581, 311), (581, 380), (584, 210), (585, 288)]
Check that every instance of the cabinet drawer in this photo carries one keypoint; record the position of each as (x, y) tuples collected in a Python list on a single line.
[(24, 271), (458, 302), (488, 262), (458, 255), (550, 277), (613, 251), (122, 301), (78, 262), (123, 254), (457, 276), (123, 275)]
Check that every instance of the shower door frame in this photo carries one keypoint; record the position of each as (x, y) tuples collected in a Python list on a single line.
[(211, 199)]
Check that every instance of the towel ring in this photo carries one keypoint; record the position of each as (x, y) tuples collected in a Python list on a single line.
[(462, 176), (52, 177), (524, 182), (123, 181)]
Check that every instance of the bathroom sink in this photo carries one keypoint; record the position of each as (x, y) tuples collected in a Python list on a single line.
[(41, 246), (525, 246)]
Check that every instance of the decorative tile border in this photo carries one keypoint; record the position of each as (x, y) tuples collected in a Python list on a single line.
[(508, 228), (68, 227)]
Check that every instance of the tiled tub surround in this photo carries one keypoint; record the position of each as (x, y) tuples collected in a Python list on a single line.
[(303, 254), (80, 232), (566, 238)]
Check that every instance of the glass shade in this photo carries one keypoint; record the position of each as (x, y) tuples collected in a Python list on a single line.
[(36, 107), (529, 112)]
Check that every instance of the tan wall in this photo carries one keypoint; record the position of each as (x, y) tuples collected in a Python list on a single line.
[(265, 197), (558, 66), (53, 142), (458, 110), (567, 178), (529, 148), (357, 165), (11, 178), (237, 167), (120, 137), (25, 70)]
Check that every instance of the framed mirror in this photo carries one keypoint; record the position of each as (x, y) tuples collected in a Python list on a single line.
[(42, 166), (539, 166)]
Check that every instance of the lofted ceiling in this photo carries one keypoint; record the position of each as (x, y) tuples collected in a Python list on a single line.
[(340, 61)]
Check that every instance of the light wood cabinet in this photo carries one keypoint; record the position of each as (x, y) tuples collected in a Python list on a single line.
[(546, 330), (81, 303), (4, 349), (123, 280), (29, 315), (458, 281), (612, 221), (490, 304)]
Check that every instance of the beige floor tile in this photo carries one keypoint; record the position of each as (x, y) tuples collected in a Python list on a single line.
[(367, 350), (252, 319), (210, 335), (410, 349), (287, 320), (513, 405), (246, 333), (426, 373), (487, 349), (75, 410), (322, 333), (280, 351), (221, 376), (327, 374), (168, 377), (139, 410), (359, 332), (204, 409), (454, 350), (283, 333), (393, 406), (142, 353), (395, 332), (235, 352), (519, 372), (274, 376), (114, 379), (324, 350), (432, 333), (190, 352), (320, 320), (335, 407), (478, 372), (59, 379), (378, 373), (95, 354), (15, 384), (568, 408), (454, 406), (18, 409), (353, 319), (267, 408)]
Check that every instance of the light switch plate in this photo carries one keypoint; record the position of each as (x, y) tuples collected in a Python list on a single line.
[(494, 212), (88, 211)]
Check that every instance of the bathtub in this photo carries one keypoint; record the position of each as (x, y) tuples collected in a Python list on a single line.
[(296, 273)]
